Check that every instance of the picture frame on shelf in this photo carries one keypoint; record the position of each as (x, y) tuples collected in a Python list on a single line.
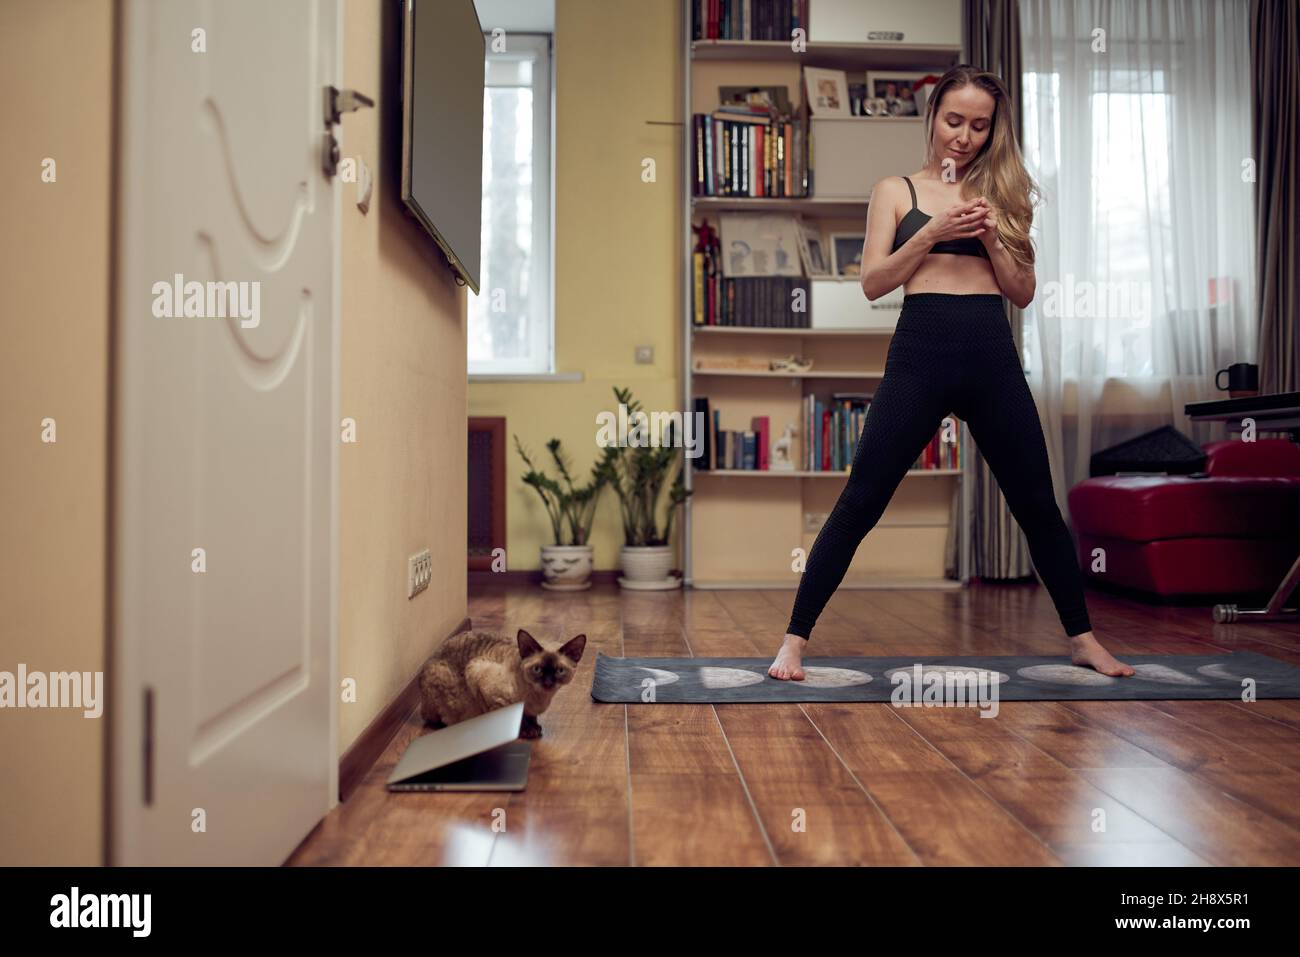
[(815, 260), (846, 254), (827, 91), (897, 89), (759, 244)]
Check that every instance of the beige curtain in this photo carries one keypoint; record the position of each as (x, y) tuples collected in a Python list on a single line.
[(991, 36), (1275, 135)]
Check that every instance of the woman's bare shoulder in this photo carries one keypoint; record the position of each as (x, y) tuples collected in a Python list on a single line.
[(889, 190)]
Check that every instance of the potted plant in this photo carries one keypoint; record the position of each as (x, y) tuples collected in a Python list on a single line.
[(648, 481), (566, 565)]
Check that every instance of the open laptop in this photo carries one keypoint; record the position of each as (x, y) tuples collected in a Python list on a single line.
[(478, 754)]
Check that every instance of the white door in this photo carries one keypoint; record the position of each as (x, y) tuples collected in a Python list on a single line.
[(225, 434)]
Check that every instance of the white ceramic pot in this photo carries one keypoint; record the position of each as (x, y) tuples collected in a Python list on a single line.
[(647, 563), (566, 567)]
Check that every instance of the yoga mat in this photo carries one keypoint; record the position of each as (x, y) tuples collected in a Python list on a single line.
[(1019, 678)]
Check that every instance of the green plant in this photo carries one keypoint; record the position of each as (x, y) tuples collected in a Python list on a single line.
[(640, 475), (567, 505)]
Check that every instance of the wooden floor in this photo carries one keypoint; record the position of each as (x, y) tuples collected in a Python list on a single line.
[(1177, 782)]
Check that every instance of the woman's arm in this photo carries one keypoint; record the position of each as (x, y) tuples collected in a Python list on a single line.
[(1017, 281), (883, 271)]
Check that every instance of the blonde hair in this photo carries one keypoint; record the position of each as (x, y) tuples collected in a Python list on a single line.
[(997, 172)]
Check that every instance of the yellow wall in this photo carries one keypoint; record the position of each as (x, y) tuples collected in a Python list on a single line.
[(617, 252), (403, 483), (55, 66)]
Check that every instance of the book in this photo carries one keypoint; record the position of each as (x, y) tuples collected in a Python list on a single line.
[(761, 428), (749, 152), (720, 448), (705, 458), (747, 19)]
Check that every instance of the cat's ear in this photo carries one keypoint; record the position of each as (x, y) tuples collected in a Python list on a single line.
[(528, 645), (572, 649)]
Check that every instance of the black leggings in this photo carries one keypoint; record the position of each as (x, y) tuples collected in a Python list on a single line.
[(949, 353)]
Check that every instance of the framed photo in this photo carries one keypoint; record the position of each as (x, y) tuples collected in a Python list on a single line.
[(895, 87), (846, 253), (817, 260), (827, 91), (759, 244), (812, 249)]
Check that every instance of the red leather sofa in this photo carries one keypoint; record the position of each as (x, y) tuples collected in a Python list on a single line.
[(1235, 531)]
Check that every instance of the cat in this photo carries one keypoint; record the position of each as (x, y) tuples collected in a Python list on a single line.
[(478, 671)]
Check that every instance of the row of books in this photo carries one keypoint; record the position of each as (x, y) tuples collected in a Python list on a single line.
[(835, 426), (942, 452), (750, 152), (732, 448), (759, 301), (747, 19)]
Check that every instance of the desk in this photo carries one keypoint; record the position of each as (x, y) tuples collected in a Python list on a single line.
[(1271, 413)]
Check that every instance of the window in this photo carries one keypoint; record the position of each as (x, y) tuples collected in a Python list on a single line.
[(1129, 198), (510, 322)]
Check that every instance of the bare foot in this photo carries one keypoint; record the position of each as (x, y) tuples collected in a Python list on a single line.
[(788, 662), (1085, 650)]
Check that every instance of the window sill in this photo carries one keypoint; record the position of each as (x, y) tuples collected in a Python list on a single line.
[(524, 377)]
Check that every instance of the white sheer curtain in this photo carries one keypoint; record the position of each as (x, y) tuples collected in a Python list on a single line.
[(1137, 130)]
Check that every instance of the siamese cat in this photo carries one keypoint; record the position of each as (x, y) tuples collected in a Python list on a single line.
[(478, 671)]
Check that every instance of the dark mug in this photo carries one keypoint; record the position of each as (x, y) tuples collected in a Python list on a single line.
[(1243, 377)]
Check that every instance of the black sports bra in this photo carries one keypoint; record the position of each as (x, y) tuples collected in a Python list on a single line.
[(915, 219)]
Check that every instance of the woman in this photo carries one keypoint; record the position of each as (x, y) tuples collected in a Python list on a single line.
[(952, 351)]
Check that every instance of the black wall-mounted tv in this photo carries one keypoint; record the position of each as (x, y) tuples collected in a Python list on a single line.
[(443, 66)]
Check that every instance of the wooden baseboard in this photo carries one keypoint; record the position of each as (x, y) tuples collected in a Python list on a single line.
[(361, 756), (533, 576)]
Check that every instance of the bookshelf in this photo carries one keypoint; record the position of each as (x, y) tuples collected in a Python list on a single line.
[(741, 526)]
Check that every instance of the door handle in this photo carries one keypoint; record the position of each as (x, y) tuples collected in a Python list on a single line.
[(337, 102)]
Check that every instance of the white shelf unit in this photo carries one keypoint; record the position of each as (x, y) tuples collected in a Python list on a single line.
[(718, 504)]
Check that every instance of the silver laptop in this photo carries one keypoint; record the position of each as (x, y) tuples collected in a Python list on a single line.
[(478, 754)]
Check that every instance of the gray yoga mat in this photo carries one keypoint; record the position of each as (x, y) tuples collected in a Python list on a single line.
[(1019, 678)]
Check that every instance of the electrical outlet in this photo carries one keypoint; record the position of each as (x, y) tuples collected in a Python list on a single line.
[(419, 572), (645, 355), (813, 521)]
